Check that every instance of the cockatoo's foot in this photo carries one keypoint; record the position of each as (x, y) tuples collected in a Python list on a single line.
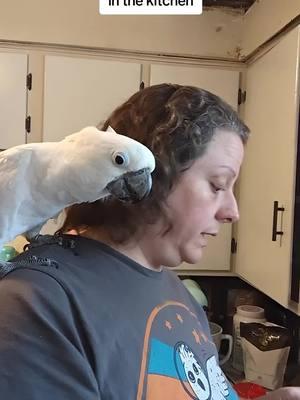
[(33, 261), (5, 268)]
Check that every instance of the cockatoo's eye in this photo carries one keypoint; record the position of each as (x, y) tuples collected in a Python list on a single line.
[(120, 159)]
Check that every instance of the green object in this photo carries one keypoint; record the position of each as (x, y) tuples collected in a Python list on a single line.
[(7, 253), (195, 290)]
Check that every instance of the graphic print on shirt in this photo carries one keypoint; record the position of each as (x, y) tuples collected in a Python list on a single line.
[(179, 360)]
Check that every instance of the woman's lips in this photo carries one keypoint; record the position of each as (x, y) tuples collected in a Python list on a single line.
[(204, 240)]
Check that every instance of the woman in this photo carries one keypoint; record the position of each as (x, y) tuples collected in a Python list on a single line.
[(110, 321)]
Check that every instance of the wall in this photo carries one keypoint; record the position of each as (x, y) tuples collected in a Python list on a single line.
[(78, 22), (215, 33), (264, 19)]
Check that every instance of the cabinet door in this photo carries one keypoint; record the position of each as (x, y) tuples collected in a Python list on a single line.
[(13, 99), (80, 91), (268, 173), (224, 83)]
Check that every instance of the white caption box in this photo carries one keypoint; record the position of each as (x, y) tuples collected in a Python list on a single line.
[(150, 7)]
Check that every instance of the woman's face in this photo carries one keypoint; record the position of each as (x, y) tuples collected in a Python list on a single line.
[(202, 200)]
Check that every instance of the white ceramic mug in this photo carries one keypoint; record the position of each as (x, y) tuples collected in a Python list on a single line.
[(217, 335)]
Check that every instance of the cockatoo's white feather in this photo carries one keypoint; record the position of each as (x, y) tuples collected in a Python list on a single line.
[(39, 180)]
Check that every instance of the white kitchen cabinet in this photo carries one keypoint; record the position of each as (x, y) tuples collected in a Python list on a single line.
[(84, 91), (13, 99), (224, 83), (268, 173)]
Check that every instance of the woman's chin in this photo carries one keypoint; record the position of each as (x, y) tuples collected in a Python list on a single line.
[(193, 256), (190, 255)]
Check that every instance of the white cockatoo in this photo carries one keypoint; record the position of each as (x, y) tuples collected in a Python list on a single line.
[(39, 180)]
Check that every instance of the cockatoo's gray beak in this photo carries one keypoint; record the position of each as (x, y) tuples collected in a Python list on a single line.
[(132, 186)]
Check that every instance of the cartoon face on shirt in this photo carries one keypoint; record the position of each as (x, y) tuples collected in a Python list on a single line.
[(193, 372), (205, 382)]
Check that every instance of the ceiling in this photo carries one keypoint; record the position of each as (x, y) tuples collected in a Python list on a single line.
[(242, 5)]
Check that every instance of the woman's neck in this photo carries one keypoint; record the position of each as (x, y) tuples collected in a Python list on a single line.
[(139, 251)]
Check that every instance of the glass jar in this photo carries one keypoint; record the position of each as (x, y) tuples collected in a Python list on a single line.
[(245, 313)]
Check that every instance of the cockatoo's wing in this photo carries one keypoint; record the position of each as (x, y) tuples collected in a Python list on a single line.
[(14, 187)]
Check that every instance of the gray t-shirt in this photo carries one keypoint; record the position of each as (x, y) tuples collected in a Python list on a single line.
[(97, 325)]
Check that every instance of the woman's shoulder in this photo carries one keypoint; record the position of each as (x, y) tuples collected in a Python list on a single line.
[(47, 261), (80, 266), (45, 280)]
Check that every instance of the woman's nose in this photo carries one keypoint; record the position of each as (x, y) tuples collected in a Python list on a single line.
[(229, 211)]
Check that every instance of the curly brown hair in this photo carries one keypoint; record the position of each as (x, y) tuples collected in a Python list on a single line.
[(176, 123)]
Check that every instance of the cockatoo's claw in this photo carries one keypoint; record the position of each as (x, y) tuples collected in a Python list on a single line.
[(5, 268), (32, 261)]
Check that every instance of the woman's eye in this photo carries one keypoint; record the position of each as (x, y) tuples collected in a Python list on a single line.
[(215, 188)]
